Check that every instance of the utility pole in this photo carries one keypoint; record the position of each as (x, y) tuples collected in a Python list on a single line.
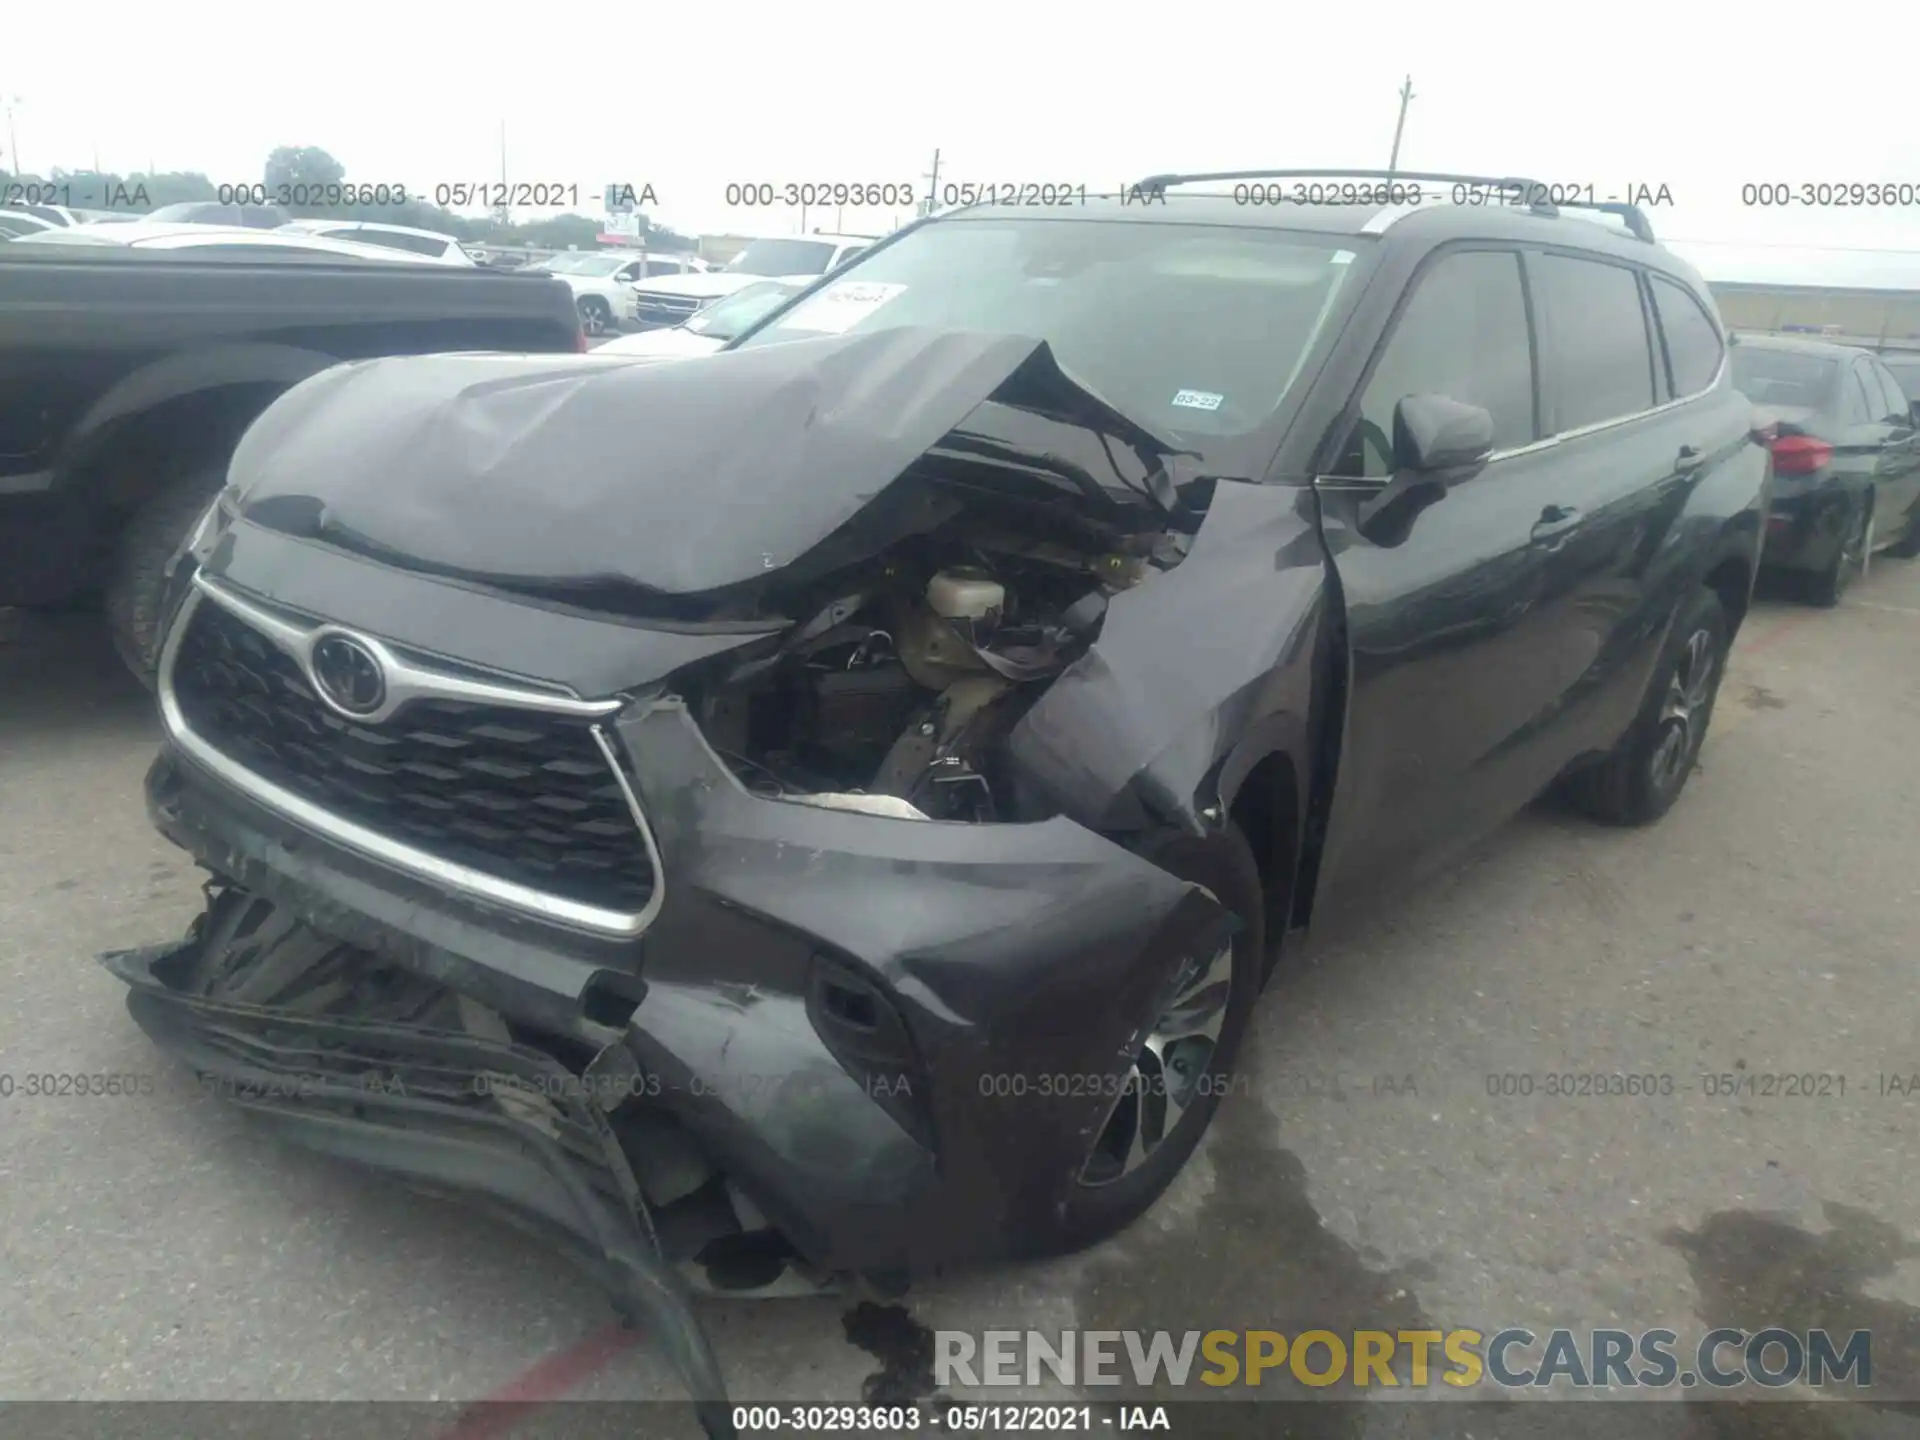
[(933, 185), (13, 145), (1406, 94), (504, 211)]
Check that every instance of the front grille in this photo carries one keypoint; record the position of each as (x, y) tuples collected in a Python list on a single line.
[(667, 309), (518, 794)]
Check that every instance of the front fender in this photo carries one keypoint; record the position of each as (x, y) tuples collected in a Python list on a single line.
[(1197, 665)]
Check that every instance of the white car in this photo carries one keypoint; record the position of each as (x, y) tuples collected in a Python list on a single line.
[(14, 223), (442, 249), (602, 282), (219, 239), (710, 327), (670, 302)]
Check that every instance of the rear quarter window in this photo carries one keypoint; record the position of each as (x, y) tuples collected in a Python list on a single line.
[(1694, 348)]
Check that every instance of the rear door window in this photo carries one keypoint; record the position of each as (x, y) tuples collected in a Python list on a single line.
[(1600, 356), (1906, 374), (1694, 349), (1463, 333), (1898, 409)]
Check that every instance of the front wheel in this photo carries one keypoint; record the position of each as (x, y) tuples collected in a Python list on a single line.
[(1185, 1065), (1639, 781), (1907, 546)]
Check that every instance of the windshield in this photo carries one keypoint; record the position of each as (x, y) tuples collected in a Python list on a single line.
[(1789, 379), (1198, 329), (584, 264), (782, 257), (729, 315)]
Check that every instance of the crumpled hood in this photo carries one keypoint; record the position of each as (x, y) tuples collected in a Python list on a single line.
[(583, 470)]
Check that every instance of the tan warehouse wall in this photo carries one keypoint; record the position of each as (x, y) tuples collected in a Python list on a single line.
[(1885, 315)]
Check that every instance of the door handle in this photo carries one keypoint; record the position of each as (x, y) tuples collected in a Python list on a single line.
[(1690, 458), (1555, 524)]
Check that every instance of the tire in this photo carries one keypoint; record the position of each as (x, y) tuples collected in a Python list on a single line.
[(1908, 545), (1224, 865), (1647, 770), (596, 316), (137, 580), (1850, 559)]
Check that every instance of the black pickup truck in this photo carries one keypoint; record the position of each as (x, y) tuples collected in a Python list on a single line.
[(127, 378)]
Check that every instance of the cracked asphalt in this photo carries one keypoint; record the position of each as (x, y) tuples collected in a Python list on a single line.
[(1367, 1173)]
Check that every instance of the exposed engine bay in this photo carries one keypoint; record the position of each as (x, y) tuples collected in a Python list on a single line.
[(905, 680)]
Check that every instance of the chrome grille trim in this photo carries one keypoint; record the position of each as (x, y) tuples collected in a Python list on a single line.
[(405, 680), (420, 864)]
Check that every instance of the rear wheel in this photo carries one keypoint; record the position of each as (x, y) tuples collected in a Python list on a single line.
[(137, 583), (1186, 1063), (1850, 561), (596, 316), (1648, 769)]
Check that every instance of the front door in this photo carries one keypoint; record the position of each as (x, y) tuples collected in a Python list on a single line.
[(1452, 658)]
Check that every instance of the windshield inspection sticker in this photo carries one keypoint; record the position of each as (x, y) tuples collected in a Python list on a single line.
[(842, 306), (1198, 400)]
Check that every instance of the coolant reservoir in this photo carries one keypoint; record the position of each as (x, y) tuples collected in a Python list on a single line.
[(966, 595)]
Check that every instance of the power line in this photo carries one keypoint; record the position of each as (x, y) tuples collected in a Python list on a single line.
[(1790, 245)]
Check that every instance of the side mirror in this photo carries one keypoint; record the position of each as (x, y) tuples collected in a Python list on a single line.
[(1437, 432), (1437, 441)]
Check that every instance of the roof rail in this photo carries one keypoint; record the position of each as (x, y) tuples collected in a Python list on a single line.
[(1535, 195)]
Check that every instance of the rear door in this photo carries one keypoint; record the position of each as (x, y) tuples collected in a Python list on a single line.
[(1631, 440), (1861, 432), (1897, 474)]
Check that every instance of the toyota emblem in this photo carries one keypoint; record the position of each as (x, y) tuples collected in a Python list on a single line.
[(349, 675)]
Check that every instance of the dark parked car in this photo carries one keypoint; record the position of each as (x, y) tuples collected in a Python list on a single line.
[(1845, 457), (127, 374), (845, 834)]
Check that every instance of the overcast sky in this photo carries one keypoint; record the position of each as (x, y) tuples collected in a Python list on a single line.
[(1685, 96)]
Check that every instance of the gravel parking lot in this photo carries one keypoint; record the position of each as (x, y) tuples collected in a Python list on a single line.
[(1365, 1176)]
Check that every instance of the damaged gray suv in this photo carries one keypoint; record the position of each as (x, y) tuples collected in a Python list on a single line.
[(825, 810)]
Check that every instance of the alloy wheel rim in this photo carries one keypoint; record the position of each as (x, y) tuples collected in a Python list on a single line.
[(1683, 714), (1171, 1071), (1856, 551)]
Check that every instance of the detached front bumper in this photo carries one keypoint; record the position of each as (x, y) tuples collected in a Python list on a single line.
[(897, 1037), (417, 1102)]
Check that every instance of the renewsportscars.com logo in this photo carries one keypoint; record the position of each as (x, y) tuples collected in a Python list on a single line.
[(1514, 1358)]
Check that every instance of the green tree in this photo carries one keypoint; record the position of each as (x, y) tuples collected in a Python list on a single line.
[(303, 166)]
